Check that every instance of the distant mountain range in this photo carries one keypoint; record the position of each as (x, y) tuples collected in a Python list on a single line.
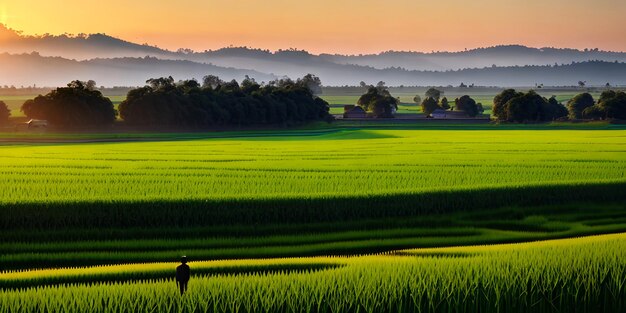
[(113, 62)]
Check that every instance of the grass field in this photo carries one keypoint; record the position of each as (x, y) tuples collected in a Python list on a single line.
[(319, 219), (359, 163), (572, 275)]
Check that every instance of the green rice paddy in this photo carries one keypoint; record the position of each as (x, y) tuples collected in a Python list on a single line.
[(324, 220), (573, 275)]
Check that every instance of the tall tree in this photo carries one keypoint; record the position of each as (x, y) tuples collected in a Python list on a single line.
[(531, 107), (434, 93), (553, 109), (429, 105), (444, 103), (73, 106), (312, 82), (417, 99), (500, 100), (467, 104), (612, 104), (578, 104), (379, 101), (5, 113), (211, 81), (249, 85), (161, 83)]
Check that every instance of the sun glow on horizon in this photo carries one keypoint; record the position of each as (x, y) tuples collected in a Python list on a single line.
[(325, 26), (4, 17)]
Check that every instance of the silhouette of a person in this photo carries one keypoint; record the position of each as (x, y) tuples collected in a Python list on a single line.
[(182, 275)]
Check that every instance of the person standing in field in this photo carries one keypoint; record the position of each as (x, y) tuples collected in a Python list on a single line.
[(182, 275)]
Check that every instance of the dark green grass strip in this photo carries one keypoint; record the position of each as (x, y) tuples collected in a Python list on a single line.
[(197, 213), (232, 242), (21, 261), (154, 275)]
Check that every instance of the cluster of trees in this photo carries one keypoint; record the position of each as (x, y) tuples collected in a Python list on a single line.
[(78, 104), (469, 105), (433, 100), (612, 104), (520, 107), (514, 106), (4, 113), (189, 104), (379, 101)]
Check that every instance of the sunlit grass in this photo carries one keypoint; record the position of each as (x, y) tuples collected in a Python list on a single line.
[(582, 274), (356, 163)]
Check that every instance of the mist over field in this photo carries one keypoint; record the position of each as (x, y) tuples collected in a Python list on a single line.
[(54, 60)]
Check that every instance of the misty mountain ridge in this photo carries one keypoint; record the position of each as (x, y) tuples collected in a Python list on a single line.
[(29, 69), (113, 61)]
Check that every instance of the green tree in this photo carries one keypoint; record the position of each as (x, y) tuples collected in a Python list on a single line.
[(612, 104), (480, 107), (444, 103), (161, 83), (249, 85), (467, 104), (312, 82), (211, 82), (434, 93), (5, 113), (552, 110), (500, 101), (531, 107), (578, 104), (379, 101), (417, 99), (76, 105), (218, 103), (429, 105)]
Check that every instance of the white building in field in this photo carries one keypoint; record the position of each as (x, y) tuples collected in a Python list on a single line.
[(443, 114)]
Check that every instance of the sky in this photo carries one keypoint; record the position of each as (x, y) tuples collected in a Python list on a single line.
[(331, 26)]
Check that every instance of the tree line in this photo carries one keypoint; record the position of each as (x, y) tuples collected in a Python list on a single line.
[(527, 107), (611, 104), (378, 100), (520, 107), (78, 104), (513, 106), (434, 100), (163, 102)]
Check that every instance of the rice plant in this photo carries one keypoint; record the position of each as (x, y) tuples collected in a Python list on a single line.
[(572, 275)]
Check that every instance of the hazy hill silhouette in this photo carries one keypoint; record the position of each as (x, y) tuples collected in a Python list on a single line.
[(29, 69), (80, 47), (510, 55), (120, 62)]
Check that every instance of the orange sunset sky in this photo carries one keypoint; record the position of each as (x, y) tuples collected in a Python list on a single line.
[(340, 26)]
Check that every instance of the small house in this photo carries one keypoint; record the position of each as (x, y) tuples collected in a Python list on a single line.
[(37, 123), (353, 111), (439, 113), (443, 114)]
